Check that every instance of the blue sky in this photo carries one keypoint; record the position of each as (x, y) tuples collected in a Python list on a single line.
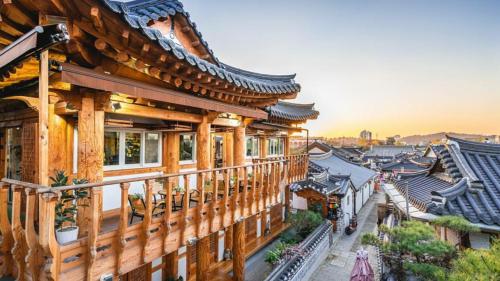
[(393, 67)]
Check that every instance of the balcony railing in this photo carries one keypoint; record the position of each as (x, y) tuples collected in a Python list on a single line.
[(213, 199), (297, 165)]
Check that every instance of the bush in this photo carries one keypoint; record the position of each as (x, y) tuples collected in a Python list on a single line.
[(455, 223), (274, 256), (305, 222), (290, 236)]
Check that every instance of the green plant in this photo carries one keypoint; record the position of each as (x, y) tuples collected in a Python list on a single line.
[(136, 196), (455, 223), (481, 264), (305, 222), (290, 236), (413, 247), (66, 207), (179, 189), (274, 256)]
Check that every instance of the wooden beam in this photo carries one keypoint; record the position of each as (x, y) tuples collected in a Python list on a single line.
[(95, 16), (43, 119), (156, 113), (90, 79)]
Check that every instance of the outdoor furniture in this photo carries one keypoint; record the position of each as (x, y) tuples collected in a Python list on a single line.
[(138, 207)]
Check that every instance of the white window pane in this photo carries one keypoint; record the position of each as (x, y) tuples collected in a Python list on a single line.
[(249, 146), (151, 153), (111, 148), (132, 148), (187, 147)]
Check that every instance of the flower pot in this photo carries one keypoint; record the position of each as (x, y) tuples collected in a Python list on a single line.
[(67, 234)]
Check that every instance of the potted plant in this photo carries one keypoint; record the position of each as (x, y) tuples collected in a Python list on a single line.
[(66, 208)]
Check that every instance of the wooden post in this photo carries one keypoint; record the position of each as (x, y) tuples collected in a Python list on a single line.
[(287, 145), (202, 258), (228, 150), (239, 146), (6, 230), (203, 144), (239, 250), (122, 229), (58, 140), (43, 119), (93, 231), (46, 236), (90, 152), (263, 147)]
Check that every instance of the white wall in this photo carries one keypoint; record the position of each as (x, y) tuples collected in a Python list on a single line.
[(359, 200), (366, 192), (299, 202), (111, 193), (347, 206)]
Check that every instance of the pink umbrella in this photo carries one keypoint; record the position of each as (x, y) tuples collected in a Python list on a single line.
[(362, 271)]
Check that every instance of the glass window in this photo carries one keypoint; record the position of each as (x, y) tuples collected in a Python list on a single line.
[(111, 148), (132, 148), (151, 148), (186, 147), (252, 146)]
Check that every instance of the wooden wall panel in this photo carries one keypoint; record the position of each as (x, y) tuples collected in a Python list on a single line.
[(58, 143), (29, 162)]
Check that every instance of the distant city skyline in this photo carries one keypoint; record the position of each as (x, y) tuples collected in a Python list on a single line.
[(391, 67)]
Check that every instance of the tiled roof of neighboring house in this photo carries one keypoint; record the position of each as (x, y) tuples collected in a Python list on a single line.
[(388, 150), (405, 165), (337, 166), (353, 150), (288, 111), (139, 13), (323, 182), (420, 186), (322, 146), (346, 155), (475, 171)]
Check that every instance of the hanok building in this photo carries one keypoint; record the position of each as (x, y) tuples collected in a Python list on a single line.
[(332, 179), (464, 181), (129, 97)]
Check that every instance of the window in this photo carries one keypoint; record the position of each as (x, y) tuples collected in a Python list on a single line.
[(187, 146), (133, 148), (151, 144), (111, 148), (252, 147), (276, 146), (124, 149)]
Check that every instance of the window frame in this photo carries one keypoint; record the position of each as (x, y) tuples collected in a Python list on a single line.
[(192, 161), (275, 147), (255, 141), (121, 152)]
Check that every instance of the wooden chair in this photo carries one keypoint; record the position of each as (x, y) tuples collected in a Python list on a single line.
[(138, 207)]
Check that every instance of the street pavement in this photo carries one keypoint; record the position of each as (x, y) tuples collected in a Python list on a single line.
[(340, 261)]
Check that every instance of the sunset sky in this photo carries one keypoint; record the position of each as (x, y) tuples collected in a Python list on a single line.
[(392, 67)]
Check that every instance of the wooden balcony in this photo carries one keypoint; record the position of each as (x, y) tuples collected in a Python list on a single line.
[(222, 197)]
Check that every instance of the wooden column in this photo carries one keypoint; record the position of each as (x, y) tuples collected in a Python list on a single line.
[(171, 152), (90, 151), (239, 250), (43, 119), (203, 145), (228, 149), (171, 266), (202, 258), (287, 145), (239, 146), (263, 147), (58, 140)]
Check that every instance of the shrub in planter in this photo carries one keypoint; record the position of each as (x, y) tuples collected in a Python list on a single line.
[(66, 207), (305, 222)]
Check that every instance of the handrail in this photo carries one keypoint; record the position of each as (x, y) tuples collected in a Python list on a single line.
[(112, 182), (23, 184)]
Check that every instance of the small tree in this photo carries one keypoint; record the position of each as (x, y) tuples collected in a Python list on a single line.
[(413, 247), (477, 264)]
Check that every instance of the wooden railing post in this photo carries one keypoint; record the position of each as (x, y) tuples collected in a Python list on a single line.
[(200, 183), (47, 239), (33, 257), (185, 210), (167, 187), (202, 258), (243, 197), (19, 250), (146, 223), (122, 229), (6, 230), (93, 230)]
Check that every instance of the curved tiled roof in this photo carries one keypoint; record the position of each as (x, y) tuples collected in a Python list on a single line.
[(292, 111), (475, 169), (137, 14), (420, 186)]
